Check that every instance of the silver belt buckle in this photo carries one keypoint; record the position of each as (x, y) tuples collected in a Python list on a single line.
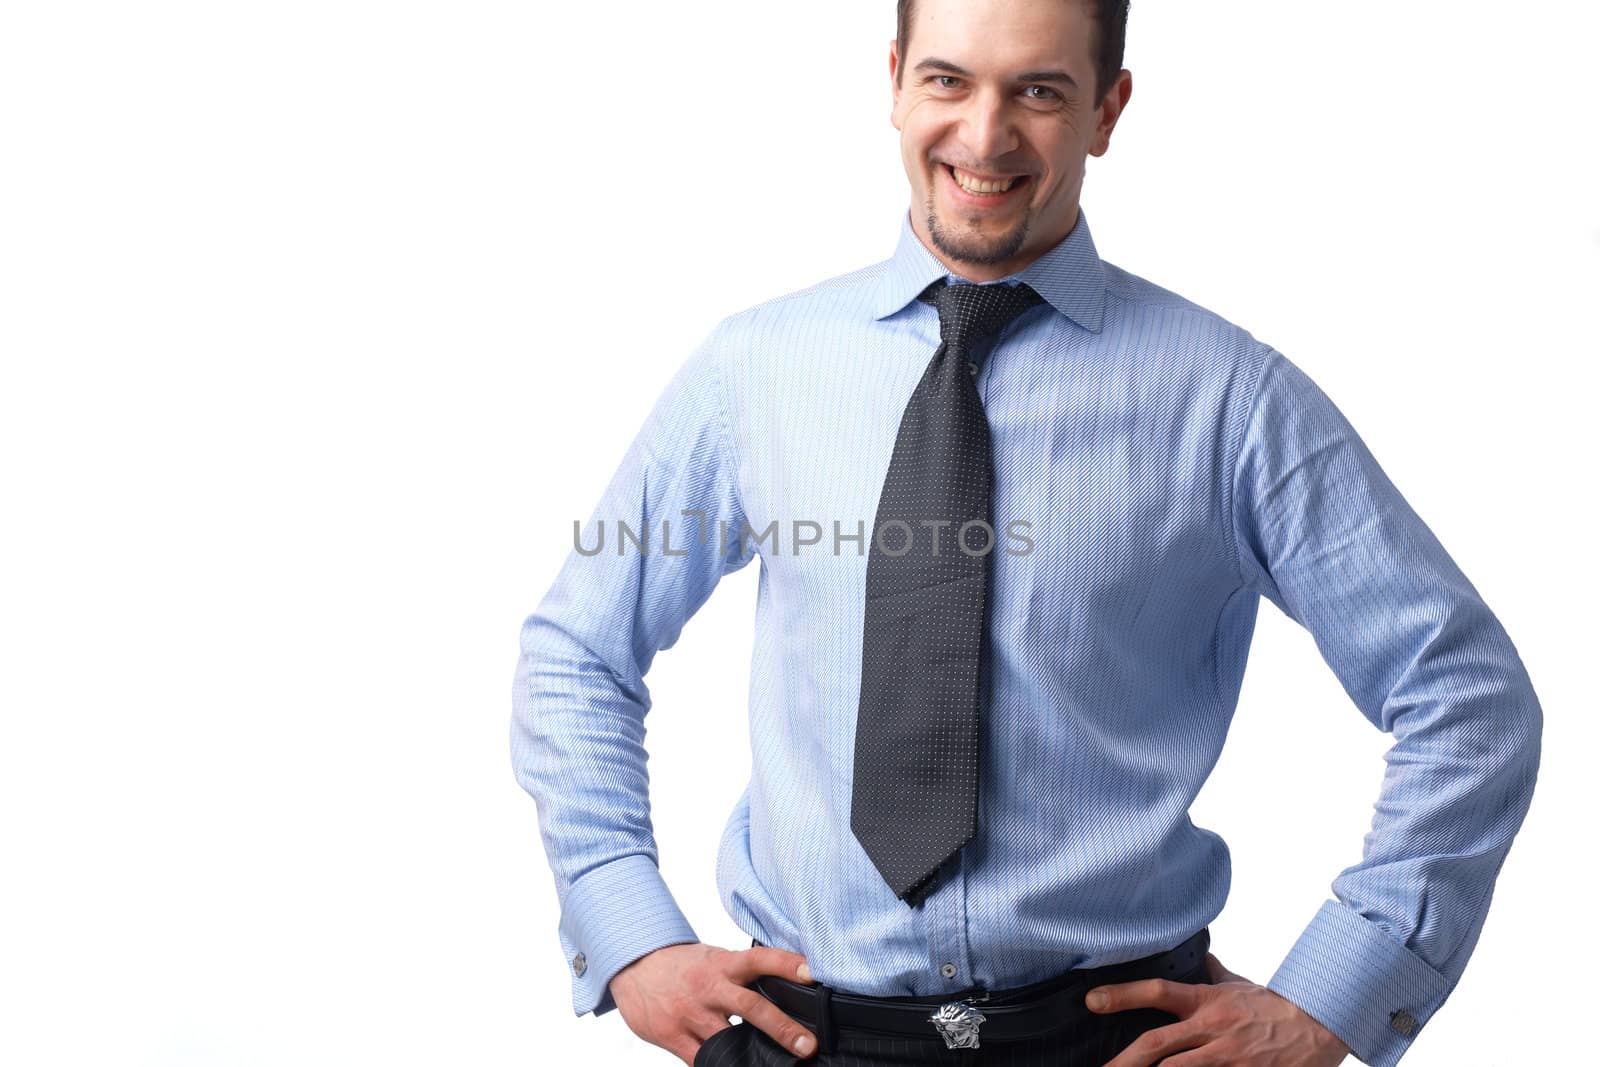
[(958, 1021)]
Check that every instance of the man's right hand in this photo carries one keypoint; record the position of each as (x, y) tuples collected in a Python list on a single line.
[(679, 996)]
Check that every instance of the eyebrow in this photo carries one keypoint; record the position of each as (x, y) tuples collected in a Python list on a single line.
[(1029, 76)]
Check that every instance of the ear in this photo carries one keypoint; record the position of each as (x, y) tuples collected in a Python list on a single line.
[(894, 85), (1111, 110)]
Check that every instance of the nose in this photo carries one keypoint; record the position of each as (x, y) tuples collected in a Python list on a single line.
[(988, 128)]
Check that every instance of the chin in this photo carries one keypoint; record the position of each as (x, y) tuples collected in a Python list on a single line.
[(960, 242)]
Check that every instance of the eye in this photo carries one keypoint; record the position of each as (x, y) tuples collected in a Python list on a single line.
[(1053, 95), (941, 79)]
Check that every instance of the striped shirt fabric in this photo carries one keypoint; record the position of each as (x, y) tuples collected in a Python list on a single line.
[(1157, 470)]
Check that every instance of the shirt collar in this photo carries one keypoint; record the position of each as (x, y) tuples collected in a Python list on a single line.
[(1068, 276)]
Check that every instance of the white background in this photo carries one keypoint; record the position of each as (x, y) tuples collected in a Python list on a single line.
[(322, 321)]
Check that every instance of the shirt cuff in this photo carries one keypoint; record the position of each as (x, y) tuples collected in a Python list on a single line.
[(611, 916), (1361, 983)]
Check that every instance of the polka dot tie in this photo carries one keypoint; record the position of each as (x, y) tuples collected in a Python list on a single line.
[(914, 797)]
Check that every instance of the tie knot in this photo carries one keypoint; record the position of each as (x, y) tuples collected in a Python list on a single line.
[(970, 313)]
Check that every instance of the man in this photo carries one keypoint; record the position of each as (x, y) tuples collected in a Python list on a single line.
[(971, 769)]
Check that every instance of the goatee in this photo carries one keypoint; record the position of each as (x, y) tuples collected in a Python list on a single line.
[(982, 251)]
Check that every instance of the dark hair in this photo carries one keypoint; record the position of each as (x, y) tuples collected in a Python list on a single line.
[(1111, 26)]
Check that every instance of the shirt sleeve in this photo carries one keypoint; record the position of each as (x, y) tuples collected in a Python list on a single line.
[(668, 527), (1322, 532)]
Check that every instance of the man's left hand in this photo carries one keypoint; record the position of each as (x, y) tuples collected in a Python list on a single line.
[(1233, 1023)]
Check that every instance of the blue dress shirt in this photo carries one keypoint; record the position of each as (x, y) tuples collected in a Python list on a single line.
[(1167, 470)]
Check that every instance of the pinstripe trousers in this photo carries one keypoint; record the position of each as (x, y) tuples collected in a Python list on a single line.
[(1091, 1045)]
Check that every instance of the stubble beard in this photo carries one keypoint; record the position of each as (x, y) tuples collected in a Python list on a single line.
[(975, 249)]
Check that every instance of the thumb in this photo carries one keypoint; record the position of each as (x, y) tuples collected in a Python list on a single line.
[(764, 959), (1219, 973)]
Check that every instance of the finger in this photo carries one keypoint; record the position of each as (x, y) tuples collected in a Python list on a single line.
[(764, 959), (1152, 1046), (767, 1017), (688, 1051), (707, 1030), (699, 1032), (1200, 1057), (1175, 998)]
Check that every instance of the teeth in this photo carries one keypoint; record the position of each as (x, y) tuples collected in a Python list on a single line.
[(972, 185)]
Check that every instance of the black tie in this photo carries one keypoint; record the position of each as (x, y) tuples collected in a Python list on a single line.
[(914, 801)]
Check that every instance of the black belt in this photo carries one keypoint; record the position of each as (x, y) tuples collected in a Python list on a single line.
[(1006, 1014)]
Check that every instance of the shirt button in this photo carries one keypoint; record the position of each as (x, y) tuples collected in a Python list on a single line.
[(1402, 1023), (948, 970), (579, 965), (972, 368)]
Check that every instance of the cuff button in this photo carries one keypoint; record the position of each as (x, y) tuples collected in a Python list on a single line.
[(1402, 1023), (579, 965)]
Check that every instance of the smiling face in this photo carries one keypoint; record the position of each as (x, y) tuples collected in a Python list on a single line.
[(994, 102)]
